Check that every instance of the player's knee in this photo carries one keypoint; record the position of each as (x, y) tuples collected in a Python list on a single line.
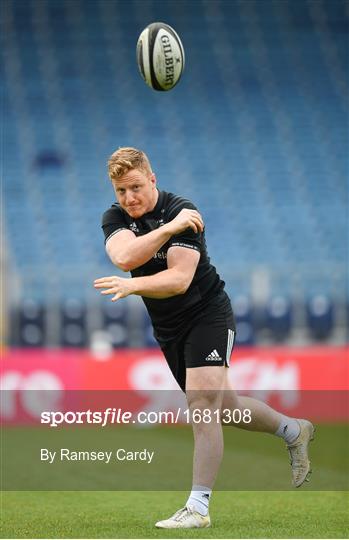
[(204, 399)]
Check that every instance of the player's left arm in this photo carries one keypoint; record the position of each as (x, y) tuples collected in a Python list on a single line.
[(181, 266)]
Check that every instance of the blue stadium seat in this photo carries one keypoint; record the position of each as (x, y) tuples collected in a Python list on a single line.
[(115, 322), (73, 323), (279, 317), (32, 323), (245, 330), (320, 316)]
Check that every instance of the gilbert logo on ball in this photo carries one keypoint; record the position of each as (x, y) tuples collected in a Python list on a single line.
[(160, 56)]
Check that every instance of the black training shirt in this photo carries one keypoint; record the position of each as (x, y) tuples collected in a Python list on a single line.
[(171, 316)]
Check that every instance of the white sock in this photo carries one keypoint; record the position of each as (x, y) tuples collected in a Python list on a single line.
[(288, 429), (199, 498)]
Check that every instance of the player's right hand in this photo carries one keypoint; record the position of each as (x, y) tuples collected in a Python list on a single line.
[(186, 219)]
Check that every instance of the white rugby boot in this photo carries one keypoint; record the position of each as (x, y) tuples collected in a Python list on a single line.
[(185, 518), (298, 451)]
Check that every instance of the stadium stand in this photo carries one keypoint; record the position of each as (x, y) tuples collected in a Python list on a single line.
[(255, 134)]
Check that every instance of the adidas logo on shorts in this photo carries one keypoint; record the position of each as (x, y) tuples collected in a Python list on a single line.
[(213, 356)]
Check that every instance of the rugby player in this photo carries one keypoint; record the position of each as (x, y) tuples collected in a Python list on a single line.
[(159, 238)]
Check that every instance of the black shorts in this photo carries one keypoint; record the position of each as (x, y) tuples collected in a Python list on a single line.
[(209, 342)]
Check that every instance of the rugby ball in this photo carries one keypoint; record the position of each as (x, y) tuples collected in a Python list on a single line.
[(160, 56)]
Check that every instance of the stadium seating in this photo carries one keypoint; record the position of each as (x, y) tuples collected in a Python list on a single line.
[(115, 323), (320, 316), (30, 324), (279, 317), (254, 134), (73, 323)]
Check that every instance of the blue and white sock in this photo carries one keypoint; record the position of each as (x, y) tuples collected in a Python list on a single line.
[(288, 429), (199, 498)]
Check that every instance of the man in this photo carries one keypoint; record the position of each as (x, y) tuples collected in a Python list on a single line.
[(159, 238)]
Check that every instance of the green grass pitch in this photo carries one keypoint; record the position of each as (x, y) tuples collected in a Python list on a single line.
[(317, 510), (133, 514)]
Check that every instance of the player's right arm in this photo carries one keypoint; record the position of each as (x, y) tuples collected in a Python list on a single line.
[(127, 251)]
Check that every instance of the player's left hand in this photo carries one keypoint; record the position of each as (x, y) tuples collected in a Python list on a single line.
[(119, 287)]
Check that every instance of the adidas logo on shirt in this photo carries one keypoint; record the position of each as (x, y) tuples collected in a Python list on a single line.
[(213, 356)]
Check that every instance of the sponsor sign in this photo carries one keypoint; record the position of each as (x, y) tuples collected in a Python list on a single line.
[(311, 382)]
